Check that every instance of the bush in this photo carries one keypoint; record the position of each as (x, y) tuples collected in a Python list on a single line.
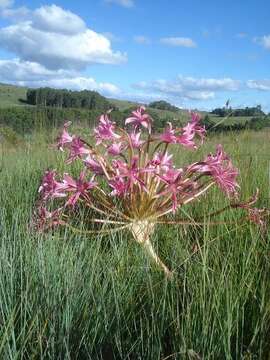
[(9, 135)]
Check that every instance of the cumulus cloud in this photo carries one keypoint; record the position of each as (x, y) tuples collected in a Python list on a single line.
[(124, 3), (264, 41), (57, 38), (75, 83), (141, 39), (178, 41), (27, 73), (263, 85), (57, 20), (189, 87)]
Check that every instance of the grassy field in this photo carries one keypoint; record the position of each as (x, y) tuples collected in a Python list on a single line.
[(231, 120), (11, 95), (64, 296)]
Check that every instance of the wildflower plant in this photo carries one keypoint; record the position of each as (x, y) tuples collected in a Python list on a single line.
[(128, 180)]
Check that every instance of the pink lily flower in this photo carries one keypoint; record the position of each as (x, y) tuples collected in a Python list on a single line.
[(199, 130), (135, 140), (220, 167), (162, 161), (172, 180), (48, 219), (50, 188), (189, 132), (168, 135), (140, 118), (93, 165), (115, 148), (105, 130), (186, 139), (79, 187), (118, 185), (131, 173), (64, 138), (77, 150)]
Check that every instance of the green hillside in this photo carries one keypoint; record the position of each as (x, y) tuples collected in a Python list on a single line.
[(11, 95), (15, 112)]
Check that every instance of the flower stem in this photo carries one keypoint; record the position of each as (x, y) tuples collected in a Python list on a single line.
[(142, 230)]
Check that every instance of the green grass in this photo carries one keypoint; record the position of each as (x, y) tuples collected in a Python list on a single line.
[(231, 120), (11, 95), (64, 296)]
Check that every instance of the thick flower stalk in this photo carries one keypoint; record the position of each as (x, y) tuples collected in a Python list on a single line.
[(128, 179)]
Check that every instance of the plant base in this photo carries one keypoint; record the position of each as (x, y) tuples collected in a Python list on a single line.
[(142, 231)]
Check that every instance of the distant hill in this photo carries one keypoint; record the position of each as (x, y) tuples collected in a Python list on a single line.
[(11, 95), (66, 99), (16, 96), (163, 105)]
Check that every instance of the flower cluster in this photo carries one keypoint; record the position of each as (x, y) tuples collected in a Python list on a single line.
[(128, 177)]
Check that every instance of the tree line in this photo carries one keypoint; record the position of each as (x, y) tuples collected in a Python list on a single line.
[(247, 111), (62, 98)]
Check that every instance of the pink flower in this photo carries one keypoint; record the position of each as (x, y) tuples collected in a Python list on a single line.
[(93, 165), (50, 188), (79, 188), (255, 215), (258, 216), (118, 185), (186, 139), (162, 161), (199, 130), (189, 132), (172, 180), (220, 167), (47, 219), (139, 118), (77, 150), (135, 140), (64, 138), (105, 130), (130, 172), (115, 148), (168, 136)]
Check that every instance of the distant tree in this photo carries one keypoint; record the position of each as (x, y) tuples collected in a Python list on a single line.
[(247, 111), (163, 105), (62, 98)]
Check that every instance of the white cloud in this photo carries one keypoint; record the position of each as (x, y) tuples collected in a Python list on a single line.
[(141, 39), (17, 70), (208, 83), (263, 40), (57, 38), (76, 83), (124, 3), (178, 41), (26, 73), (189, 87), (57, 20), (6, 3), (199, 95), (263, 85)]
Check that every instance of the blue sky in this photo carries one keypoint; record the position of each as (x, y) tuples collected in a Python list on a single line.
[(195, 54)]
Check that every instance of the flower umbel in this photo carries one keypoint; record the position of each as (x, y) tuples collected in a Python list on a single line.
[(128, 179)]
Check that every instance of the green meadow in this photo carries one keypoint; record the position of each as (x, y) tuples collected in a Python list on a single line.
[(69, 296)]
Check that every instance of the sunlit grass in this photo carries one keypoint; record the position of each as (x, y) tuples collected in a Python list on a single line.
[(64, 296)]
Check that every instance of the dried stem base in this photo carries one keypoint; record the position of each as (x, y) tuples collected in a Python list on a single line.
[(142, 231)]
